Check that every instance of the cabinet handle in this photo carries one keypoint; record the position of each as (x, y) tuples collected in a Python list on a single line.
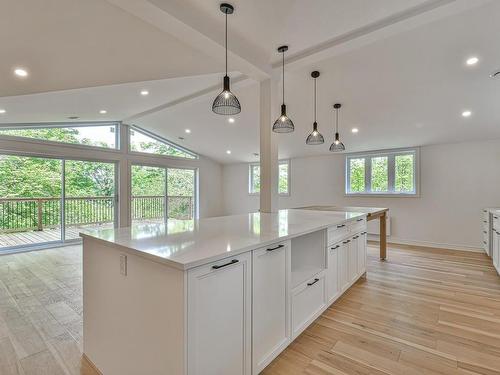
[(341, 226), (484, 232), (360, 219), (355, 237), (346, 242), (335, 247), (225, 265), (495, 217), (313, 282), (484, 242), (484, 221), (276, 248), (363, 233)]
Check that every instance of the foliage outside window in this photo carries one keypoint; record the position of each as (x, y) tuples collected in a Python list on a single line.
[(97, 135), (150, 144), (283, 178), (389, 172)]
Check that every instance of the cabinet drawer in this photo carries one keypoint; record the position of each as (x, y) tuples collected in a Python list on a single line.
[(357, 226), (337, 233), (308, 301)]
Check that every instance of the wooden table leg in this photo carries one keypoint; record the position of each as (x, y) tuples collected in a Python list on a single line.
[(383, 236)]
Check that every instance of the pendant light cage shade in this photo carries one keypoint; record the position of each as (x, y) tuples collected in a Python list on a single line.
[(337, 146), (315, 138), (226, 103), (283, 124)]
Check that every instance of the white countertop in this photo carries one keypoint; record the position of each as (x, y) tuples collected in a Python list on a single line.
[(190, 243)]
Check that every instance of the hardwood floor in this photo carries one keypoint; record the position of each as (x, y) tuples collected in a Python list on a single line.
[(424, 311)]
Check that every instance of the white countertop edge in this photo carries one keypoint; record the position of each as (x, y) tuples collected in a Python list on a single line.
[(211, 259)]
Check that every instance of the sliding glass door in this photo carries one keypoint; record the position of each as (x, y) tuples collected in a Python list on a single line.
[(38, 195), (161, 193)]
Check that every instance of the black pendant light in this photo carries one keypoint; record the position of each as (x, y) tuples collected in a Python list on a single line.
[(226, 103), (315, 138), (337, 146), (283, 124)]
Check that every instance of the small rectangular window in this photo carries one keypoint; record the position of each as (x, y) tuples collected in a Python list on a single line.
[(392, 172), (283, 178), (96, 135), (143, 141)]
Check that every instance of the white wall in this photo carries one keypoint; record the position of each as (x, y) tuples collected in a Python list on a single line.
[(456, 182)]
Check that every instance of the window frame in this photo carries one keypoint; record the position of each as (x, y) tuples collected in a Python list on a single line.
[(160, 139), (391, 173), (280, 162)]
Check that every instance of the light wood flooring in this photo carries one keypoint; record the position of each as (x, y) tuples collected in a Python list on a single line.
[(421, 312)]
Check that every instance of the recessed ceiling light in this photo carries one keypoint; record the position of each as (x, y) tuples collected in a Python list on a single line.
[(103, 111), (2, 111), (354, 130), (228, 152), (466, 113), (188, 131), (144, 92), (472, 60), (20, 72), (231, 120)]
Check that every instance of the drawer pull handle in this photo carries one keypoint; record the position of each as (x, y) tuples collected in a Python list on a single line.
[(225, 265), (346, 242), (363, 233), (340, 226), (359, 219), (355, 237), (495, 217), (335, 247), (484, 221), (276, 248), (484, 242), (484, 232), (313, 282)]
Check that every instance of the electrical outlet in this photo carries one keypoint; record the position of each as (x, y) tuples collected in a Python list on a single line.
[(123, 264)]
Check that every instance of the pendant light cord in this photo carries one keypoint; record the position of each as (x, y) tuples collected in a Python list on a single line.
[(337, 120), (314, 99), (283, 53), (226, 42)]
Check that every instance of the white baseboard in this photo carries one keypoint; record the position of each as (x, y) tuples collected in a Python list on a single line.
[(402, 241)]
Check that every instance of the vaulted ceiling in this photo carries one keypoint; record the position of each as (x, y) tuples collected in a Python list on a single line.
[(397, 66)]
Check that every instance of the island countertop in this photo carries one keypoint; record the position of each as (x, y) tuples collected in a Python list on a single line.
[(191, 243)]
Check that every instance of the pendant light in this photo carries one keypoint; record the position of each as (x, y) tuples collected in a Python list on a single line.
[(283, 124), (337, 146), (315, 138), (226, 102)]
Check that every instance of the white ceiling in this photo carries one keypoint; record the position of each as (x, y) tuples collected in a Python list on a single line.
[(403, 88)]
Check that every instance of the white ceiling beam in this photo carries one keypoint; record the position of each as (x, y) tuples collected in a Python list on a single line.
[(202, 34)]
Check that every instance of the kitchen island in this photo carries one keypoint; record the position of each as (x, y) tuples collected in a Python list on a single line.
[(216, 296)]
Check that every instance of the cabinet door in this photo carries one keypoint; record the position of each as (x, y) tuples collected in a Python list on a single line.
[(353, 258), (496, 249), (344, 264), (271, 333), (219, 317), (362, 253), (332, 275)]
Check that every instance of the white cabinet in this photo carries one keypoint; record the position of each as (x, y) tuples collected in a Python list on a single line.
[(270, 303), (353, 258), (219, 317), (362, 253), (308, 302), (333, 276), (496, 249), (344, 265)]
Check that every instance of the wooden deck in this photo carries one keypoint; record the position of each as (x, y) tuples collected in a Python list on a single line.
[(423, 311)]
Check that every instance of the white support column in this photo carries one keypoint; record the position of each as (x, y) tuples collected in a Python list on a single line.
[(124, 192), (268, 151)]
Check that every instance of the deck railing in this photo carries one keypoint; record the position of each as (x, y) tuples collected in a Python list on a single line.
[(23, 214)]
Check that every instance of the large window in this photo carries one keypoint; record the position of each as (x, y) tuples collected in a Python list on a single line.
[(393, 172), (143, 141), (97, 135), (283, 178)]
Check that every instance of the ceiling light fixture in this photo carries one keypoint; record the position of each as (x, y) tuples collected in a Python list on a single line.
[(354, 130), (2, 111), (466, 113), (20, 72), (315, 138), (228, 152), (188, 131), (472, 60), (144, 92), (231, 120), (226, 103), (283, 124), (103, 111), (337, 146)]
